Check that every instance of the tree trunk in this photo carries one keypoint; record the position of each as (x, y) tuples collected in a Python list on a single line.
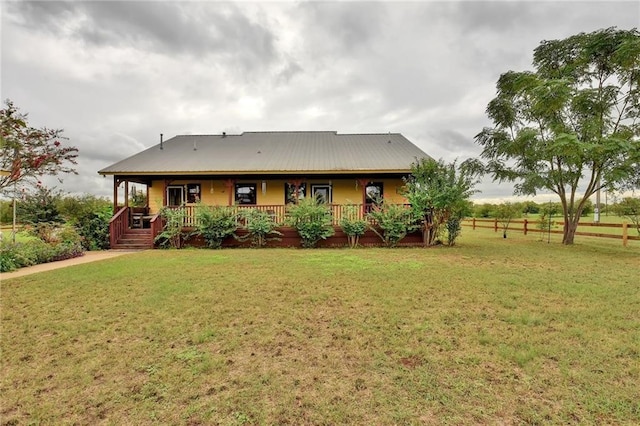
[(427, 230), (569, 230), (425, 235)]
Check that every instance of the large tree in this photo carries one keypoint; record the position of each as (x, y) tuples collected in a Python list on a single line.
[(28, 153), (571, 126)]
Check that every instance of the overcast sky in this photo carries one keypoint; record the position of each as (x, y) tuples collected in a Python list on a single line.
[(116, 74)]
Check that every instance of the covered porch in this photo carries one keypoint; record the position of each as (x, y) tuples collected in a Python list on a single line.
[(125, 233), (342, 193)]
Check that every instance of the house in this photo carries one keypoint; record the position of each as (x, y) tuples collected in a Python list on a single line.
[(265, 170)]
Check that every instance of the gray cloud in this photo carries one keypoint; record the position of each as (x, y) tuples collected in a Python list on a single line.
[(115, 74), (289, 71), (190, 30), (456, 143), (337, 26), (492, 16)]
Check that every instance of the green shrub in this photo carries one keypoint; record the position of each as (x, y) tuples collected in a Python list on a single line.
[(173, 233), (260, 226), (94, 230), (75, 209), (392, 222), (312, 219), (39, 205), (27, 253), (90, 215), (67, 234), (35, 252), (215, 224), (65, 251), (8, 256), (505, 213), (353, 225), (44, 231), (453, 229)]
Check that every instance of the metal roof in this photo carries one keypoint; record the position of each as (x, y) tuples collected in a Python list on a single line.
[(273, 152)]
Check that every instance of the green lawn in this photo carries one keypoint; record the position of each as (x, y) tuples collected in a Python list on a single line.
[(21, 234), (491, 331)]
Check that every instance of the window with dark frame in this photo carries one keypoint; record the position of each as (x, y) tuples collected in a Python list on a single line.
[(245, 193), (290, 193), (374, 192), (175, 195), (193, 192), (322, 192)]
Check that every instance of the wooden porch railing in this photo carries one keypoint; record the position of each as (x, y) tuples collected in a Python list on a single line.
[(527, 226), (280, 214), (118, 225), (156, 224)]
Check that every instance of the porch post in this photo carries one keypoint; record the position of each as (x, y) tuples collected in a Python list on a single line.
[(363, 183), (229, 184), (126, 193), (165, 183), (116, 183), (296, 184)]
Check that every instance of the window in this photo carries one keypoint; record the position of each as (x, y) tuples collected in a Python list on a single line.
[(245, 193), (373, 192), (193, 192), (322, 192), (290, 193), (175, 196)]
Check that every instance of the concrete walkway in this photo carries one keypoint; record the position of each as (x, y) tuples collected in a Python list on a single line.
[(90, 256)]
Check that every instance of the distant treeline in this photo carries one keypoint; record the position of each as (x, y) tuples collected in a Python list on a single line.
[(525, 208)]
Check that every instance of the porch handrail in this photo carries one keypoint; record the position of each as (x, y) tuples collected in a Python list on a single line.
[(156, 224), (279, 212), (118, 224)]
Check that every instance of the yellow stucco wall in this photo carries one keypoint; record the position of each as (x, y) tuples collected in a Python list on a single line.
[(214, 192)]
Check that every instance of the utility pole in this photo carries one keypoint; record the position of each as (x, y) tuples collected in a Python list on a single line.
[(13, 226), (549, 228), (596, 211)]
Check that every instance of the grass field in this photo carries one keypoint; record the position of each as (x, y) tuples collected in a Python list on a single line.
[(21, 235), (491, 331)]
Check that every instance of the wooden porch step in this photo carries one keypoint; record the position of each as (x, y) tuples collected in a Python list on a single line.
[(132, 247), (135, 239), (138, 231)]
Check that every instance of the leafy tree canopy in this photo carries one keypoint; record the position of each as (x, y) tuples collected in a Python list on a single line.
[(438, 191), (571, 126), (27, 153), (40, 205), (629, 208)]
